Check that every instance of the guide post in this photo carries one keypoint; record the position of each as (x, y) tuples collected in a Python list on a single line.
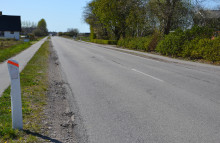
[(16, 107)]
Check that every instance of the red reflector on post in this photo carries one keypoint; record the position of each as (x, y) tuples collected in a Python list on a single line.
[(12, 63)]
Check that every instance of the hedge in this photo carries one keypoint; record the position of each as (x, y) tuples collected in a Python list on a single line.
[(195, 43), (174, 43), (140, 43), (206, 48), (101, 41)]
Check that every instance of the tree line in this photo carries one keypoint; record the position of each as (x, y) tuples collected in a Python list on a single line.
[(40, 29), (32, 29), (115, 19), (71, 32)]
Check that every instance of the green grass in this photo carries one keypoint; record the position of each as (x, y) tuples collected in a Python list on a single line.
[(34, 84), (13, 50), (6, 43), (9, 48)]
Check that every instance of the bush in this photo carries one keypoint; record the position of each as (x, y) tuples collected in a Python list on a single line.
[(172, 44), (138, 43), (132, 44), (32, 37), (211, 49), (194, 43), (112, 42), (175, 43), (203, 49), (152, 44), (100, 41), (142, 43), (198, 32), (123, 42), (198, 51), (190, 49), (92, 34), (38, 32)]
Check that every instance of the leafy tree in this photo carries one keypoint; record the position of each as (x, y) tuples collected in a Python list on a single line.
[(42, 25), (115, 18), (112, 19), (41, 28), (139, 23), (98, 29)]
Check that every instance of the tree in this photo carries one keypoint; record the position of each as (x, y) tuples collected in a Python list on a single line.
[(112, 19), (171, 14), (72, 32), (28, 27), (97, 28), (41, 28), (38, 32), (139, 22), (115, 17), (206, 16)]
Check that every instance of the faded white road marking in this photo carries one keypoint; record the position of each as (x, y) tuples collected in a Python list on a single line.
[(147, 75)]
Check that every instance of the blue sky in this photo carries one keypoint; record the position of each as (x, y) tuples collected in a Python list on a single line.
[(59, 14)]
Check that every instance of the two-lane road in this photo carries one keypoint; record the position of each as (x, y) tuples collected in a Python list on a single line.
[(124, 98)]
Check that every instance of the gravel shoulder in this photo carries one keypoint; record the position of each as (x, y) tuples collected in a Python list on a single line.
[(60, 117)]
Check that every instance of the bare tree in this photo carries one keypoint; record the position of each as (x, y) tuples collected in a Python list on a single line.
[(171, 14), (28, 27)]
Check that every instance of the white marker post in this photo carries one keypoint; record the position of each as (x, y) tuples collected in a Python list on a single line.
[(16, 106)]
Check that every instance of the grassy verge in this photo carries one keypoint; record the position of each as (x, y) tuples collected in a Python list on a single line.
[(6, 43), (34, 84), (11, 48)]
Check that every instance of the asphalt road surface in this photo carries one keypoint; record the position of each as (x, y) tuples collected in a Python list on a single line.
[(23, 58), (125, 98)]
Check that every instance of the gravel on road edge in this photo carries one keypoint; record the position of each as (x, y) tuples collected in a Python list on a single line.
[(63, 118)]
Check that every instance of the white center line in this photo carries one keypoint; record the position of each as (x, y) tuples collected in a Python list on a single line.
[(147, 75)]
